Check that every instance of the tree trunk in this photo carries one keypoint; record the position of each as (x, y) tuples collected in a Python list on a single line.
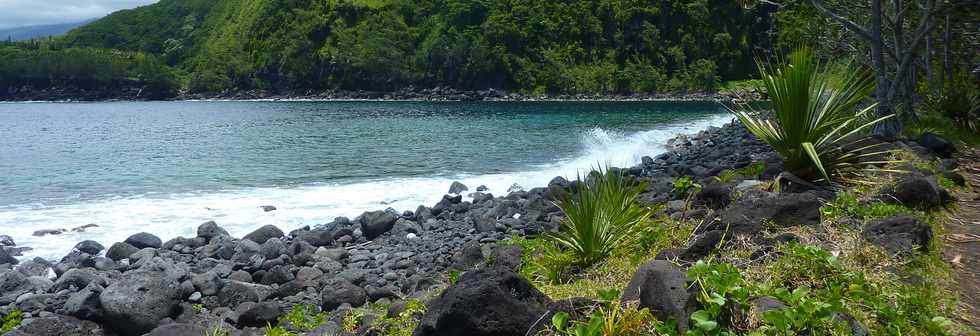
[(947, 56), (927, 57), (890, 127)]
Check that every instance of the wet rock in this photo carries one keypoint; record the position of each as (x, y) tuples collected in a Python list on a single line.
[(5, 240), (458, 188), (83, 227), (6, 258), (489, 301), (46, 232), (144, 240), (120, 251), (900, 235), (268, 208), (662, 287), (89, 246), (375, 223), (262, 234), (209, 230)]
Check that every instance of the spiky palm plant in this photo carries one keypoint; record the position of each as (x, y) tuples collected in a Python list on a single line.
[(602, 216), (816, 121)]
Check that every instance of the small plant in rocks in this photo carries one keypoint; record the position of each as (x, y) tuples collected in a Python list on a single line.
[(11, 321)]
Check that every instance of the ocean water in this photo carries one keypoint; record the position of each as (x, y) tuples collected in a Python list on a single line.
[(166, 167)]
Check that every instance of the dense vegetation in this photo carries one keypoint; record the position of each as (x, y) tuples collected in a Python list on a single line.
[(33, 65), (594, 46)]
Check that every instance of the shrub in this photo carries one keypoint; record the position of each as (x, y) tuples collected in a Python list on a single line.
[(601, 216), (816, 124)]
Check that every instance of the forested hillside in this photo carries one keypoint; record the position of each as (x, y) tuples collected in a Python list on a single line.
[(595, 46)]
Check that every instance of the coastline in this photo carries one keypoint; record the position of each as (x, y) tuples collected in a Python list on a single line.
[(404, 95), (378, 256)]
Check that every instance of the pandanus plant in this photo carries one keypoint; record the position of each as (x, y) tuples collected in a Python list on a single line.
[(816, 119), (602, 216)]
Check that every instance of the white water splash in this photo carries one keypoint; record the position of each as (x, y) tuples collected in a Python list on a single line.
[(238, 210)]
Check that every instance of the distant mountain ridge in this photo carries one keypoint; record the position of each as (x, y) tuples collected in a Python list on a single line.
[(29, 32)]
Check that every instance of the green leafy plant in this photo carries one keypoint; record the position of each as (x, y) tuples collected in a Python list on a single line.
[(959, 102), (684, 186), (453, 277), (304, 317), (197, 307), (352, 320), (11, 321), (725, 176), (608, 318), (216, 331), (602, 216), (277, 331), (718, 284), (817, 124), (401, 325)]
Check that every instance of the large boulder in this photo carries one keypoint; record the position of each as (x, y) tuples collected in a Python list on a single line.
[(458, 188), (937, 144), (714, 196), (60, 325), (260, 314), (78, 278), (316, 238), (137, 301), (120, 251), (12, 285), (485, 302), (85, 304), (747, 214), (375, 223), (662, 287), (917, 192), (900, 235), (338, 292), (89, 246), (5, 257), (264, 233), (143, 240), (210, 230)]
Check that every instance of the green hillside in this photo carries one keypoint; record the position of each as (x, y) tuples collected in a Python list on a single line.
[(570, 46)]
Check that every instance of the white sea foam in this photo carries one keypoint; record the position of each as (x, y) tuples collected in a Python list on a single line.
[(238, 210)]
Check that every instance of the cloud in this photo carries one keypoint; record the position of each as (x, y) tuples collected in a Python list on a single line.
[(15, 13)]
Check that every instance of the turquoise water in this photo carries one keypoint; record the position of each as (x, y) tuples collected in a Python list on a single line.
[(164, 167)]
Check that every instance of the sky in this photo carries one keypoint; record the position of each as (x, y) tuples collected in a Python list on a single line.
[(17, 13)]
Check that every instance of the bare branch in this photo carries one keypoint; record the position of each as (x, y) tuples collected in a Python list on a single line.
[(845, 21)]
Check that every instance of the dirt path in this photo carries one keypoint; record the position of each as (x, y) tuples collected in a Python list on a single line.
[(963, 242)]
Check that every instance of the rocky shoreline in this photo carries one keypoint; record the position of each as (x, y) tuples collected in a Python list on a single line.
[(406, 94), (192, 285)]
